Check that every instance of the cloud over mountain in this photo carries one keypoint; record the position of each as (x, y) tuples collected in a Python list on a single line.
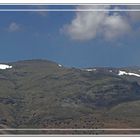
[(88, 25)]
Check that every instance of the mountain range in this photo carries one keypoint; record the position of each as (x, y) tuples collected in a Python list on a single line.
[(41, 94)]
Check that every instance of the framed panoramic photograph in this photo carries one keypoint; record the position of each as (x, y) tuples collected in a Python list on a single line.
[(70, 69)]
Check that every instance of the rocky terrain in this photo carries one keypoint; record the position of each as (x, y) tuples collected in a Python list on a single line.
[(40, 94)]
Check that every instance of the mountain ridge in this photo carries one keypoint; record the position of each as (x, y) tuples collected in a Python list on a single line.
[(43, 94)]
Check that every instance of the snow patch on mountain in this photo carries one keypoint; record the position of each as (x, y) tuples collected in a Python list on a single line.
[(4, 66), (59, 65), (127, 73), (90, 70)]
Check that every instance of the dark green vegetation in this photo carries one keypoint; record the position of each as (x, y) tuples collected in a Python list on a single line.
[(41, 94)]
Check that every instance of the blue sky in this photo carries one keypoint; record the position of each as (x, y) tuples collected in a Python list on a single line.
[(75, 39)]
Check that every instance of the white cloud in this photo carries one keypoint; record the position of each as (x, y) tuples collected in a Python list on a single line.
[(115, 26), (91, 24), (85, 26), (14, 27)]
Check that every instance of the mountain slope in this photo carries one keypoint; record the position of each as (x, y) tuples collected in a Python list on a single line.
[(44, 94)]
